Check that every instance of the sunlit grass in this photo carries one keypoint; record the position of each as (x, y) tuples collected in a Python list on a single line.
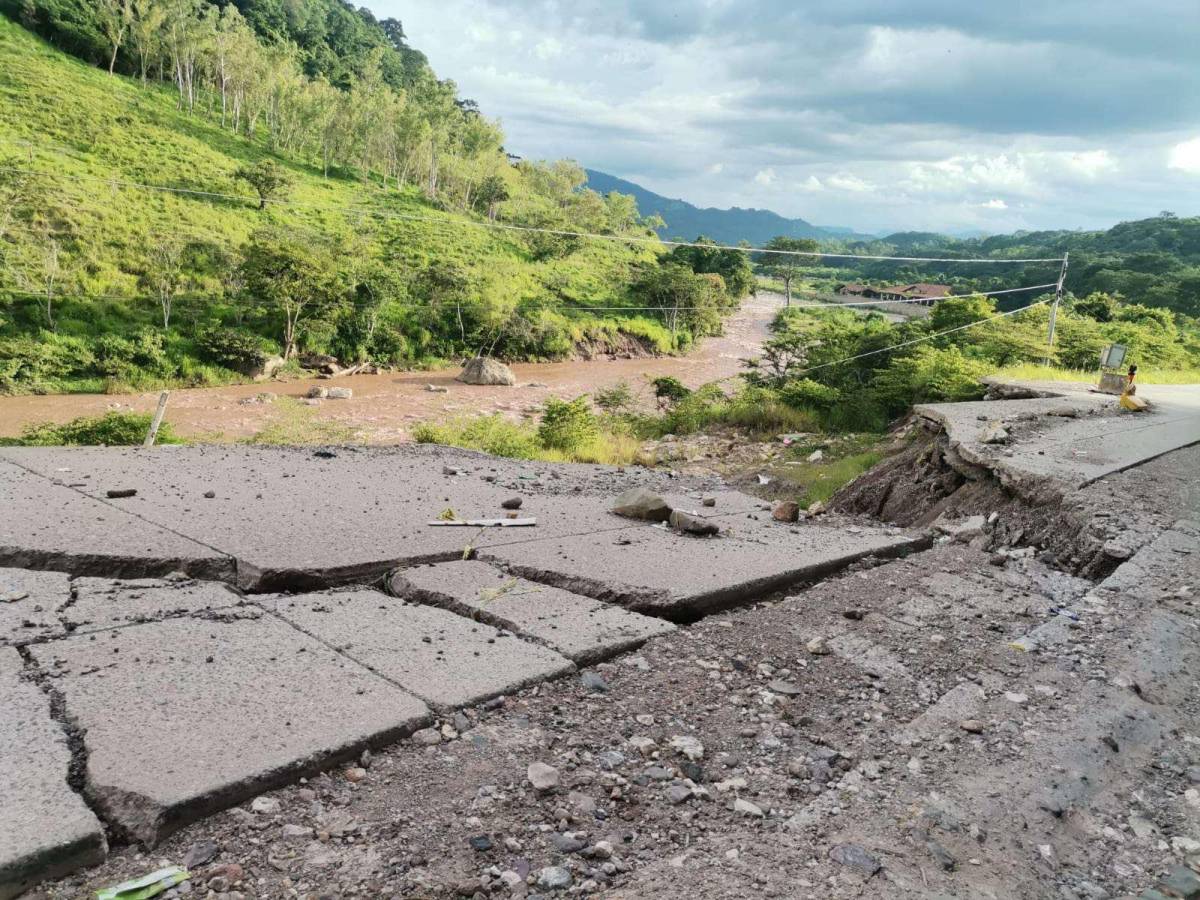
[(294, 424), (1145, 374), (519, 440)]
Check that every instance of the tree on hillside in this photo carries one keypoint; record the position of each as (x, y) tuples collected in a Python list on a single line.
[(686, 299), (267, 178), (492, 191), (290, 273), (443, 287), (114, 17), (708, 259), (778, 261), (164, 275)]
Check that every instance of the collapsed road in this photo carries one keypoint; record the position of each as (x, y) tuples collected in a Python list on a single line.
[(975, 676)]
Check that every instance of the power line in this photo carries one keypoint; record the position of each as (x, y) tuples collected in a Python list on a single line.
[(184, 298), (243, 198)]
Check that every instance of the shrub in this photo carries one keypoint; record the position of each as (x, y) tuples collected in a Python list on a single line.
[(617, 398), (668, 391), (33, 362), (114, 429), (804, 393), (492, 434), (568, 425), (233, 349)]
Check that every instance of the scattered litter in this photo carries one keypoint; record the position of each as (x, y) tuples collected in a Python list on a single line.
[(485, 523), (764, 480), (447, 515), (147, 886)]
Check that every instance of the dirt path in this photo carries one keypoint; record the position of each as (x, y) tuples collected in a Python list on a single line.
[(384, 406)]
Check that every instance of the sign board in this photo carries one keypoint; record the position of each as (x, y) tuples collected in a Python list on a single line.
[(1113, 356)]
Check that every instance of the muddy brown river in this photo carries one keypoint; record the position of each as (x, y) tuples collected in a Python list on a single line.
[(385, 406)]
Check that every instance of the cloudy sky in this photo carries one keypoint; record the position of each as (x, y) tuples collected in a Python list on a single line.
[(931, 114)]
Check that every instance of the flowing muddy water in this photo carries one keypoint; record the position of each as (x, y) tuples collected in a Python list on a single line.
[(385, 406)]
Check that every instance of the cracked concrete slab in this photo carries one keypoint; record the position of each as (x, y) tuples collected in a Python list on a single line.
[(583, 629), (46, 830), (1075, 451), (279, 511), (101, 603), (29, 603), (186, 717), (51, 526), (441, 657), (656, 570)]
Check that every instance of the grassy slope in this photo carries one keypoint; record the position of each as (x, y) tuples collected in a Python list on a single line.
[(79, 120)]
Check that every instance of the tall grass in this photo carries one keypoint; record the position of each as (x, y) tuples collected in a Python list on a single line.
[(1145, 374)]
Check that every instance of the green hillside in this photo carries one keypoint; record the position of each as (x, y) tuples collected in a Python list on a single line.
[(382, 287)]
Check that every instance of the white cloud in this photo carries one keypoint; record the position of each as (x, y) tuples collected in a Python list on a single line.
[(1186, 157), (812, 184), (765, 176), (994, 203), (1092, 163), (845, 181), (548, 48), (715, 169)]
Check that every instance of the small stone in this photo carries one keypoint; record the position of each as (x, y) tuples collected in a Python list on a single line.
[(815, 456), (511, 503), (427, 737), (293, 832), (1181, 882), (316, 392), (787, 688), (542, 776), (639, 503), (594, 682), (480, 843), (817, 647), (692, 524), (340, 393), (709, 501), (679, 793), (119, 493), (994, 433), (971, 726), (568, 843), (688, 746), (746, 808), (511, 879), (356, 774), (200, 853), (209, 495), (601, 850), (437, 389), (855, 857), (786, 511), (1017, 698), (553, 878), (265, 806)]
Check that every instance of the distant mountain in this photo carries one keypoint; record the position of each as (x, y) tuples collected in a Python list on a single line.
[(726, 226)]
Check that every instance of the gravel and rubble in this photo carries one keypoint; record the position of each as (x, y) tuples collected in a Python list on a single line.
[(884, 733)]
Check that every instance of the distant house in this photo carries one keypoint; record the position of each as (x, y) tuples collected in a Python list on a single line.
[(899, 292)]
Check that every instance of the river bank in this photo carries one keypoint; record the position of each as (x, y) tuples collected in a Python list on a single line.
[(384, 407)]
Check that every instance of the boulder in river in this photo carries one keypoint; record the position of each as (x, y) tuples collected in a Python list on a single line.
[(485, 370)]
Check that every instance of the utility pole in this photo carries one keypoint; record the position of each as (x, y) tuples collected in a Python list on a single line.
[(1058, 293)]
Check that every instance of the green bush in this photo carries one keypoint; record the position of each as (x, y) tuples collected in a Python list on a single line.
[(617, 398), (29, 362), (804, 393), (668, 391), (233, 349), (568, 425), (492, 434), (114, 429)]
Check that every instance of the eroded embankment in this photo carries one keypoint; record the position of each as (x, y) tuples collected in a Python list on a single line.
[(929, 479)]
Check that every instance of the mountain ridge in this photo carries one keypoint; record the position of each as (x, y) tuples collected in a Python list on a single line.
[(687, 221)]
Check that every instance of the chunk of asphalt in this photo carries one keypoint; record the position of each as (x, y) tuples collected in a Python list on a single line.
[(583, 629), (46, 830), (185, 717), (51, 526), (102, 603), (29, 602), (656, 571), (441, 657)]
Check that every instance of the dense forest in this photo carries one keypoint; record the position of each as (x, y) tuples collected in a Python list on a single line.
[(199, 186), (1155, 262)]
